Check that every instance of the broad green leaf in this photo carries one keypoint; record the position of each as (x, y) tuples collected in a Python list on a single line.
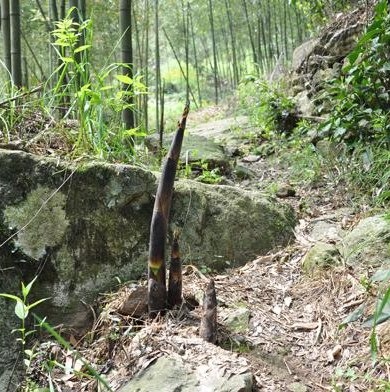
[(134, 132), (104, 88), (82, 48), (21, 310), (124, 79), (26, 290), (340, 131), (382, 312), (67, 59)]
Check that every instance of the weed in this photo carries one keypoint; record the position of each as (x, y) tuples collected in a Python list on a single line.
[(267, 104), (212, 176), (22, 310), (94, 99)]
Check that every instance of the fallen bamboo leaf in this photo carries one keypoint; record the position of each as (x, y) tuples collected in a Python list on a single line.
[(305, 326)]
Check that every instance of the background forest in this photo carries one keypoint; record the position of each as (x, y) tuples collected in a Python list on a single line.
[(176, 50), (97, 77)]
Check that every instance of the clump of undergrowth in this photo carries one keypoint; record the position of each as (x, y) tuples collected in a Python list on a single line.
[(268, 105), (79, 104)]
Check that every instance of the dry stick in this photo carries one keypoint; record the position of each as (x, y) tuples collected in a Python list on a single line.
[(208, 324), (157, 295), (175, 275), (7, 101)]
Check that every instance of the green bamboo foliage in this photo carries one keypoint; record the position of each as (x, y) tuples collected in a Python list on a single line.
[(157, 293)]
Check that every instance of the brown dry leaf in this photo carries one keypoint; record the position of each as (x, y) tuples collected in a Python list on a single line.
[(334, 353)]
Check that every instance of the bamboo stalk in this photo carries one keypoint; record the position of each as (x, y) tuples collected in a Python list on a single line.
[(157, 295)]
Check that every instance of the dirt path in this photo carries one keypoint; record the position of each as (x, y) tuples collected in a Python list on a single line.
[(293, 340)]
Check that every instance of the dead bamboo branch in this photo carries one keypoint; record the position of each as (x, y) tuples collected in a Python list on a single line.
[(7, 101)]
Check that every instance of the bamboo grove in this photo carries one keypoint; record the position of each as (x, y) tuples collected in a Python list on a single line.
[(201, 49)]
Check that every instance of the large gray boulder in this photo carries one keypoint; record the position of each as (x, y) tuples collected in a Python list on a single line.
[(81, 227), (173, 375), (301, 53)]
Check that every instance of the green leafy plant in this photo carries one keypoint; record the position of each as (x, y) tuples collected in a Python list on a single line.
[(208, 176), (360, 96), (268, 105), (95, 99), (382, 313), (22, 310), (88, 370)]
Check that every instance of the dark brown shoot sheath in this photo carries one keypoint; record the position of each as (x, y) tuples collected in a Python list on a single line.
[(157, 295), (208, 323), (175, 276)]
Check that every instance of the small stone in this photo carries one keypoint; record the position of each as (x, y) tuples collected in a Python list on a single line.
[(238, 320), (287, 301), (285, 191), (243, 173), (135, 304), (277, 310), (322, 255), (251, 158)]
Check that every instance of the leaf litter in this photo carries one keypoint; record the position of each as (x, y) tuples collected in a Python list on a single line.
[(293, 334)]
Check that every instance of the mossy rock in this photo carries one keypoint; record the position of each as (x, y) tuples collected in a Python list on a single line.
[(321, 255), (237, 320), (369, 242), (223, 226), (80, 227), (172, 374)]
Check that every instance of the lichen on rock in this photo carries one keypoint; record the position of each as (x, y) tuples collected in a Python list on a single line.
[(40, 221)]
